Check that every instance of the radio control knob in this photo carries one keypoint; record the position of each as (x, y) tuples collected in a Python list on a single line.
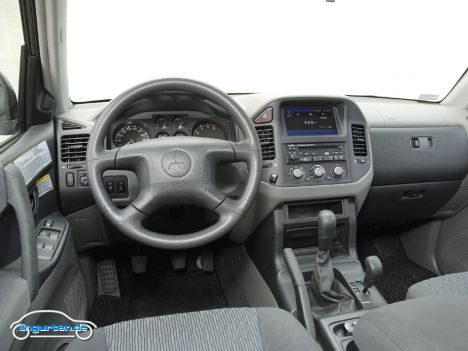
[(293, 156), (317, 171), (337, 171), (297, 172)]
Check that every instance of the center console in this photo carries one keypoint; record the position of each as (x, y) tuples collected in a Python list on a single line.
[(319, 147)]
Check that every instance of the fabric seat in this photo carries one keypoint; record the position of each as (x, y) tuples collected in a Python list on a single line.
[(227, 329), (449, 284), (424, 324)]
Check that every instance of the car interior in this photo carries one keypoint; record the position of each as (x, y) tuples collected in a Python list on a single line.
[(176, 215)]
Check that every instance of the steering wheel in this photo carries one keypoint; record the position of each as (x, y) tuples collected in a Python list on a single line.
[(173, 171)]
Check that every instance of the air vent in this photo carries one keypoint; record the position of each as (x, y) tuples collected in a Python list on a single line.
[(73, 147), (267, 142), (66, 125), (358, 132)]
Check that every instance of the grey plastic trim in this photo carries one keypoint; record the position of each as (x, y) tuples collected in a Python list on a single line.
[(3, 197), (18, 198), (396, 161), (420, 244), (269, 196), (52, 34), (14, 301), (459, 95)]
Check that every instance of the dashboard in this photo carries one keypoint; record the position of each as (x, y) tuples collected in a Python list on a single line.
[(163, 124), (390, 157)]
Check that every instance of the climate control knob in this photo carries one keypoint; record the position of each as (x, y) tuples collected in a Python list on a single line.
[(317, 171), (297, 172), (337, 171)]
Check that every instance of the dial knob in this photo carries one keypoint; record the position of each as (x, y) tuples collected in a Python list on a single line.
[(337, 171), (293, 156), (297, 173), (317, 171)]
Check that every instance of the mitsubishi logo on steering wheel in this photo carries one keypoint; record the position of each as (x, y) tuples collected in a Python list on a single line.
[(176, 163)]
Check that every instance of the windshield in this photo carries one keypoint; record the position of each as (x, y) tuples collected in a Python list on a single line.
[(396, 48)]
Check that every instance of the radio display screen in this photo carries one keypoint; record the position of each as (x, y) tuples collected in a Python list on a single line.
[(309, 121)]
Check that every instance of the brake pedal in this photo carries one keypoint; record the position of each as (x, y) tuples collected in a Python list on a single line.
[(139, 264), (108, 283), (178, 261)]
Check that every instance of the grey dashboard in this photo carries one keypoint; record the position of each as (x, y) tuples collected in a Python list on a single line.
[(372, 115)]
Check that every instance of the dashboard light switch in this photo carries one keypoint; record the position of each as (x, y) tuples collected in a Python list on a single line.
[(70, 179)]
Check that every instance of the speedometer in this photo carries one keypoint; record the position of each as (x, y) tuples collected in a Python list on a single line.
[(130, 133), (209, 130)]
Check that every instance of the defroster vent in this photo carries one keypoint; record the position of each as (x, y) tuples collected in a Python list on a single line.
[(358, 132), (73, 147), (267, 141), (67, 125)]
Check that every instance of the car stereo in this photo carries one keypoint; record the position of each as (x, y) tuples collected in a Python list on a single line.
[(306, 121)]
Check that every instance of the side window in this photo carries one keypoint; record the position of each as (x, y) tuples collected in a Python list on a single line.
[(11, 40)]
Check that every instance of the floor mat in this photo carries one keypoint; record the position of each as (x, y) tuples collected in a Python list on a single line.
[(399, 271), (157, 292)]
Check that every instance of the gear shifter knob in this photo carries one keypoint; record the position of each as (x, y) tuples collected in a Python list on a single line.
[(374, 269), (326, 229)]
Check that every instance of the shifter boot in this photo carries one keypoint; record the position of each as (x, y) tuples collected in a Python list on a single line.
[(328, 295)]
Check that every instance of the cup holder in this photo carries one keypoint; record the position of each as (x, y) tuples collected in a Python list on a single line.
[(340, 331)]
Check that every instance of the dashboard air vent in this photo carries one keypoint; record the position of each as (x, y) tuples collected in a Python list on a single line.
[(267, 142), (73, 147), (66, 125), (358, 132)]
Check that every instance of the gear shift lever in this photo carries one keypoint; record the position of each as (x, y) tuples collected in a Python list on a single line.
[(326, 229), (328, 295), (374, 269)]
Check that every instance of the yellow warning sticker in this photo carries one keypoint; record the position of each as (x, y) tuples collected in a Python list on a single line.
[(44, 185)]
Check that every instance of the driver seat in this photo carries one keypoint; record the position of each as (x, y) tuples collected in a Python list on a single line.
[(229, 329)]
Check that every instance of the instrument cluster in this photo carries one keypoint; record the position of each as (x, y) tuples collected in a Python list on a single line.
[(163, 125)]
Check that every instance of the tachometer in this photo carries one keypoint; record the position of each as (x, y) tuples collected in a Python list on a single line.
[(130, 133), (209, 130), (163, 123)]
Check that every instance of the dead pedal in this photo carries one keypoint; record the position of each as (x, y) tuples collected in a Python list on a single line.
[(108, 283)]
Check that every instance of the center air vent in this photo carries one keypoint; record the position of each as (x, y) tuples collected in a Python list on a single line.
[(358, 132), (73, 147), (267, 142), (67, 125)]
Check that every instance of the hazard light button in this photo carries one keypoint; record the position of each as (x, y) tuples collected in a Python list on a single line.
[(266, 116)]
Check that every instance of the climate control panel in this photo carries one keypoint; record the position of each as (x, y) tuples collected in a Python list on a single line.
[(316, 163)]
